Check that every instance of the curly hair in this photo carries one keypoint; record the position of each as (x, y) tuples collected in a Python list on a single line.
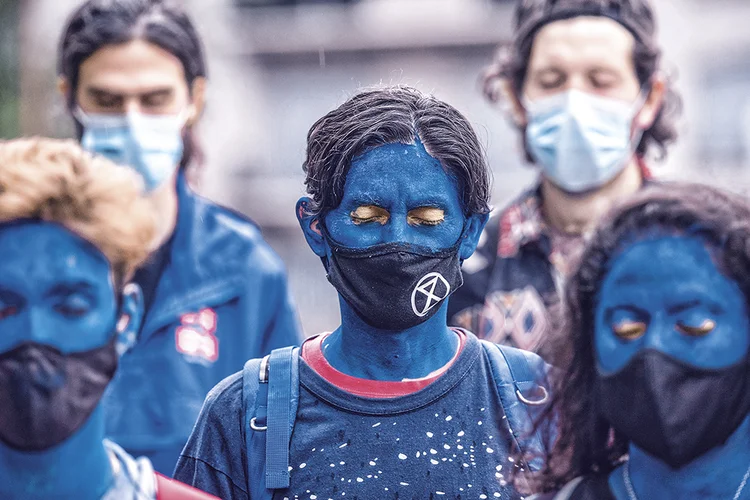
[(511, 60), (56, 181), (397, 114), (586, 443)]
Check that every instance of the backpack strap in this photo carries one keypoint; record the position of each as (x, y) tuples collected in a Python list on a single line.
[(270, 392), (521, 377), (282, 411), (169, 489)]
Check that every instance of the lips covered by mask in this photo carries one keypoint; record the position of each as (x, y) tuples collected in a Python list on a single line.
[(394, 286), (581, 141), (150, 144), (46, 396), (673, 410)]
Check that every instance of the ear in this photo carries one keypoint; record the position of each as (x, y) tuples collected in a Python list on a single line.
[(63, 87), (651, 107), (198, 97), (472, 231), (131, 317), (515, 108), (310, 227)]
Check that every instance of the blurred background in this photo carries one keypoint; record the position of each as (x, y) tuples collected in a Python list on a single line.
[(275, 66)]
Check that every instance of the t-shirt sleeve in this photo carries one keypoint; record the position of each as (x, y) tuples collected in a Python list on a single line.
[(213, 457)]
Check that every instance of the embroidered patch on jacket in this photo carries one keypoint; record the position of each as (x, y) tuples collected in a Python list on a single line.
[(519, 316), (196, 336)]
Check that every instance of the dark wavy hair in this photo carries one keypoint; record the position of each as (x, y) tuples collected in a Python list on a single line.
[(97, 23), (397, 114), (586, 443), (511, 60)]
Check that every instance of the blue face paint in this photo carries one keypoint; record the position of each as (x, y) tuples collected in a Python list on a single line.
[(404, 182), (57, 326), (671, 341), (53, 283), (666, 294), (395, 194)]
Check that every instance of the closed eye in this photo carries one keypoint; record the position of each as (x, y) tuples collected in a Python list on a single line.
[(369, 213), (706, 327), (7, 311), (550, 78), (629, 330), (425, 216)]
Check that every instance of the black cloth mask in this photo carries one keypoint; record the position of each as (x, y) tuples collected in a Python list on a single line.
[(46, 396), (673, 410), (394, 286)]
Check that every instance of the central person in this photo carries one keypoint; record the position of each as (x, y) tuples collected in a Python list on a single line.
[(393, 403)]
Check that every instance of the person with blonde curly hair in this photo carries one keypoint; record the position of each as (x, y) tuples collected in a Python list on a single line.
[(73, 228)]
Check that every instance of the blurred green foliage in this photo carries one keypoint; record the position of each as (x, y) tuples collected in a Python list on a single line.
[(9, 75)]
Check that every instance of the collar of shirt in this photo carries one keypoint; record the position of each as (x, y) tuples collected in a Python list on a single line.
[(312, 354), (522, 222)]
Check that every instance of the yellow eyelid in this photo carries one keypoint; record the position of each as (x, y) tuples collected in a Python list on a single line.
[(705, 328), (629, 330), (369, 213), (426, 215)]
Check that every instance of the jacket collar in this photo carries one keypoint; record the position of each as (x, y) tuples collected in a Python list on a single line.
[(522, 222)]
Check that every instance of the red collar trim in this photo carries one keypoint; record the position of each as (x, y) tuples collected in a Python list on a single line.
[(312, 354)]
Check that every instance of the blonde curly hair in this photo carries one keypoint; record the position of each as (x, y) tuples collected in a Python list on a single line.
[(57, 181)]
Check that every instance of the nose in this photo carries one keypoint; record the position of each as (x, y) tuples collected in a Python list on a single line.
[(657, 333), (396, 230), (38, 329), (132, 106)]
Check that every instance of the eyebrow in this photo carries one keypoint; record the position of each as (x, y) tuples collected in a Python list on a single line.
[(684, 306), (70, 287), (97, 92)]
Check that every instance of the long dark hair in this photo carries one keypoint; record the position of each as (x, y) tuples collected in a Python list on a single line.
[(586, 443), (388, 115), (511, 60), (97, 23)]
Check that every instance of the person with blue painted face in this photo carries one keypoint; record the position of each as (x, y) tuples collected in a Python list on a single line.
[(73, 229), (134, 77), (393, 403), (583, 84), (655, 401)]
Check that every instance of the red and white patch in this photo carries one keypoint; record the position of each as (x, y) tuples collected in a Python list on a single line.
[(196, 336)]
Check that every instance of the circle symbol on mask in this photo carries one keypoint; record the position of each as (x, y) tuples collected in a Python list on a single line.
[(432, 289)]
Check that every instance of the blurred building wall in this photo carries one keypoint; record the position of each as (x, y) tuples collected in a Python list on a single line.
[(275, 70)]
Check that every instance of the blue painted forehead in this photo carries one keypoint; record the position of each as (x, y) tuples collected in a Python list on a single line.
[(415, 150)]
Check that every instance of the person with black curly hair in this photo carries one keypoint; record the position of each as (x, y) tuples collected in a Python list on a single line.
[(654, 400)]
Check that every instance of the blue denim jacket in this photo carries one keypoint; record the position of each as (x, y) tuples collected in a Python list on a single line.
[(221, 299)]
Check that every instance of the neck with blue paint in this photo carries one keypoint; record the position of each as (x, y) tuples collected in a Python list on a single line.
[(361, 350), (715, 475), (79, 468)]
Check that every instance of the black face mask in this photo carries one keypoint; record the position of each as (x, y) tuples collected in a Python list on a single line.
[(672, 410), (46, 396), (394, 286)]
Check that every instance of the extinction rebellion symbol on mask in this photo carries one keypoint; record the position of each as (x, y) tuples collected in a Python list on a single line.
[(429, 292)]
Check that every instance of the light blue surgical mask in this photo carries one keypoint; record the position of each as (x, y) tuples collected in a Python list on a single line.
[(581, 141), (150, 144)]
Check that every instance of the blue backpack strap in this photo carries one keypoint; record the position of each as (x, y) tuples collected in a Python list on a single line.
[(282, 410), (521, 378), (271, 397), (254, 396)]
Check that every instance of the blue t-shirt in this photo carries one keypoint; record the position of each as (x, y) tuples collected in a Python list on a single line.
[(448, 440)]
